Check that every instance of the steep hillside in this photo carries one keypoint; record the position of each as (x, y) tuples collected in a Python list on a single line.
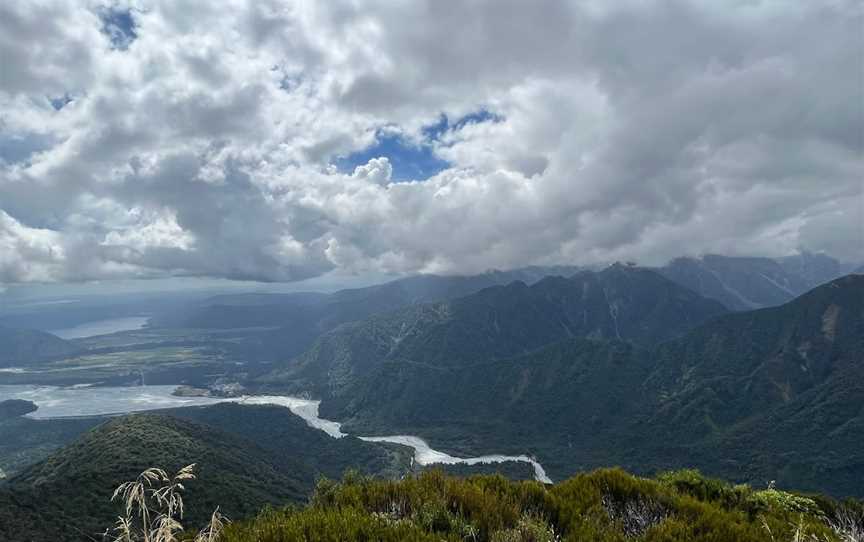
[(277, 430), (620, 302), (577, 388), (768, 394), (24, 441), (751, 361), (22, 519), (301, 317), (812, 442), (20, 347), (241, 311), (73, 486), (776, 390)]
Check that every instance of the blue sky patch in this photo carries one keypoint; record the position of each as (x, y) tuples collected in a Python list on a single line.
[(411, 161), (16, 149), (119, 25), (59, 102), (435, 131), (289, 81)]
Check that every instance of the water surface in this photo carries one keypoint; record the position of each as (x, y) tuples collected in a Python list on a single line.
[(425, 455), (101, 327), (84, 400)]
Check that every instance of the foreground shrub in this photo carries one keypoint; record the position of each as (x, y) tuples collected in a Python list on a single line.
[(607, 505), (602, 506)]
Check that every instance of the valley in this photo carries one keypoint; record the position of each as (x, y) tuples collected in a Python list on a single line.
[(58, 404), (427, 271), (542, 380)]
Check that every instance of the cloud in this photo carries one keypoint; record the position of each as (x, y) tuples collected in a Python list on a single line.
[(376, 170), (28, 254), (203, 140)]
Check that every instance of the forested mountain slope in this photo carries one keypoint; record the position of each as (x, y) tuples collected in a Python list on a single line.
[(20, 347), (246, 456), (620, 302), (775, 390), (741, 389), (299, 318)]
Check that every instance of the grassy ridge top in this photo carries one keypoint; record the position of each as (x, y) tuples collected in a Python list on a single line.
[(602, 506)]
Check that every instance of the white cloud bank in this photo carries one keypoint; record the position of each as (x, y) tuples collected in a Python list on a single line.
[(637, 130)]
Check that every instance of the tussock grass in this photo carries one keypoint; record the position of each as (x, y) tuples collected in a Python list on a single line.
[(153, 509)]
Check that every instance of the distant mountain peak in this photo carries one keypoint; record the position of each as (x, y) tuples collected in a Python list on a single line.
[(746, 283)]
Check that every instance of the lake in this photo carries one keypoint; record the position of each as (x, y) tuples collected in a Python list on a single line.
[(101, 327)]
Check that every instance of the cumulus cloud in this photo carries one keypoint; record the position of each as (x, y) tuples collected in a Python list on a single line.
[(376, 170), (28, 254), (148, 138)]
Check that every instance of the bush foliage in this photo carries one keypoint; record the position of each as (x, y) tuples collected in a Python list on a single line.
[(606, 505)]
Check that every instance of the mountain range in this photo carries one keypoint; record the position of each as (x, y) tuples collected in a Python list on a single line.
[(290, 323), (746, 368), (620, 302), (618, 366), (297, 319), (742, 283)]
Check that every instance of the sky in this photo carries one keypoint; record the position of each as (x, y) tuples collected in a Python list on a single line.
[(283, 141)]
